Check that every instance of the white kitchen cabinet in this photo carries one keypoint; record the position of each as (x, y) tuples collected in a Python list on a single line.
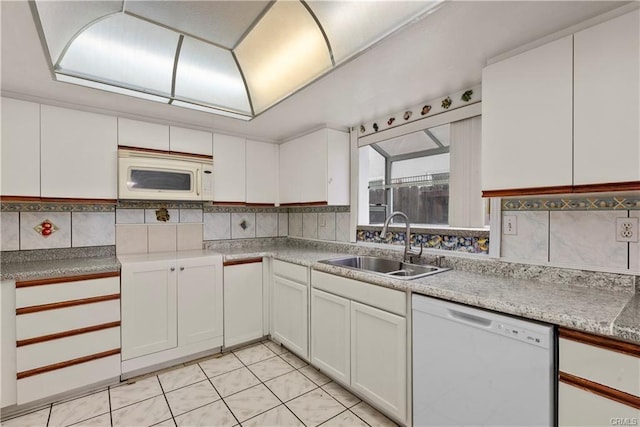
[(171, 308), (289, 307), (379, 357), (183, 140), (8, 341), (599, 380), (358, 337), (79, 153), (262, 172), (20, 148), (527, 119), (66, 334), (149, 308), (134, 133), (199, 300), (229, 183), (315, 168), (243, 302), (331, 335), (606, 107)]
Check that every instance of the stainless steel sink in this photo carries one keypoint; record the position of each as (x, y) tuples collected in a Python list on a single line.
[(385, 266)]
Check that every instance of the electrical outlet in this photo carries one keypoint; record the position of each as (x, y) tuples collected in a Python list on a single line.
[(510, 225), (626, 229)]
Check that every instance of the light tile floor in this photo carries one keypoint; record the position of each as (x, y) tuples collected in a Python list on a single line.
[(259, 385)]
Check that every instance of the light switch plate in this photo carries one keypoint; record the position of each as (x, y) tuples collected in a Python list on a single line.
[(510, 225)]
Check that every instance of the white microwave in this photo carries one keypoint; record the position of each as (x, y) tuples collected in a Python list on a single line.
[(164, 176)]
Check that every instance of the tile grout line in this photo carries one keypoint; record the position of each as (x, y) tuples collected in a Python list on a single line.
[(50, 411), (167, 400), (110, 412), (221, 398), (267, 387)]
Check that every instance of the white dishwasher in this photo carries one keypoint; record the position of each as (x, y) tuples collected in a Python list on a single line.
[(473, 367)]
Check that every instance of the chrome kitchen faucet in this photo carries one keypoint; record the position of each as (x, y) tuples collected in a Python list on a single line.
[(408, 252)]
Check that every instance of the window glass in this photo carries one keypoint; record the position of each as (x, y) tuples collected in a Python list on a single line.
[(420, 189)]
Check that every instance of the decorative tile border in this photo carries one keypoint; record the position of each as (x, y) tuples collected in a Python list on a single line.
[(476, 245), (156, 204), (56, 207), (319, 209), (572, 203), (443, 231), (240, 209)]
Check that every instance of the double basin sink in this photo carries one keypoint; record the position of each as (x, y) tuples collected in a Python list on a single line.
[(385, 266)]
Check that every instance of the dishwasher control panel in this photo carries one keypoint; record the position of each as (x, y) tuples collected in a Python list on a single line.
[(521, 334)]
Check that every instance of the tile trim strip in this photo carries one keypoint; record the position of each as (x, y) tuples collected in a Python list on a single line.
[(572, 203)]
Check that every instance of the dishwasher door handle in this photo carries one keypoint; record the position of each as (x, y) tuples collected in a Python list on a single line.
[(469, 318)]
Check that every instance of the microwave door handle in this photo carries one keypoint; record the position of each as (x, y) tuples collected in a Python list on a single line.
[(197, 182)]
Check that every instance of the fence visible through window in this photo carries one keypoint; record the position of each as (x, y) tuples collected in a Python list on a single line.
[(424, 198)]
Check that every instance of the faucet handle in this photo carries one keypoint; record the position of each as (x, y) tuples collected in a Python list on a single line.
[(413, 253)]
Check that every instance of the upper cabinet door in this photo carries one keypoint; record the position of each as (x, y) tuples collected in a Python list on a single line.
[(606, 88), (303, 169), (20, 148), (229, 180), (262, 172), (133, 133), (79, 154), (190, 141), (527, 119), (338, 167)]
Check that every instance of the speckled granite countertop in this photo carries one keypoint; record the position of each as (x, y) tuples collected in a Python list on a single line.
[(590, 309), (574, 299), (31, 270)]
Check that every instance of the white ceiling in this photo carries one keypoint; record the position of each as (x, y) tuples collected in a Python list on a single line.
[(442, 53)]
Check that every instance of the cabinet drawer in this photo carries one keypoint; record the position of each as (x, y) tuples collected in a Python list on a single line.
[(290, 271), (377, 296), (48, 322), (578, 407), (62, 380), (65, 291), (64, 349), (610, 368)]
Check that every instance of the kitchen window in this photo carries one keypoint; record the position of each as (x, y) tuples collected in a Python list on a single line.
[(432, 175)]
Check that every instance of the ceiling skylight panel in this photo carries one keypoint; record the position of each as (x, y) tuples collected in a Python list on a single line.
[(406, 144), (282, 53), (352, 26), (124, 51), (62, 20), (208, 74)]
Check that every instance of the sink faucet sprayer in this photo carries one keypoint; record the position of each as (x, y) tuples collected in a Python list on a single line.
[(408, 252)]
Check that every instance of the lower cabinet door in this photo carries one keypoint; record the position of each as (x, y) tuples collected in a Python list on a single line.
[(378, 358), (242, 303), (149, 308), (578, 407), (290, 322), (331, 335), (199, 300)]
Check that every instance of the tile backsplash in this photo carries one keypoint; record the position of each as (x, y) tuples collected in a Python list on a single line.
[(576, 232), (137, 226)]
